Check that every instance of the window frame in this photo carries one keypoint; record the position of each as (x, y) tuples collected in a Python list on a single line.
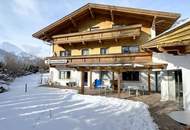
[(66, 53), (94, 28), (106, 50), (131, 75), (130, 48), (122, 49), (82, 52), (66, 74)]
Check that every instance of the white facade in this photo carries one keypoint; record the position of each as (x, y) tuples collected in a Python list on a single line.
[(175, 62), (76, 77)]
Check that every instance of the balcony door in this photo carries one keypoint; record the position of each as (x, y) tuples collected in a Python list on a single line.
[(85, 52), (85, 78)]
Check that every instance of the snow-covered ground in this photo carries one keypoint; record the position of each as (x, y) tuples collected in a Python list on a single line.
[(49, 108)]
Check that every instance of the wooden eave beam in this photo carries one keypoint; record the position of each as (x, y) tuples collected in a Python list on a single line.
[(116, 39), (73, 22), (112, 15), (91, 13), (173, 50)]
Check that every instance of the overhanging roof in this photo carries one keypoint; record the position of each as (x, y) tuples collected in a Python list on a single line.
[(167, 18), (120, 67), (175, 39)]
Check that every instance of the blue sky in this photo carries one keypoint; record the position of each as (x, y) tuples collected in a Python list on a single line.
[(19, 19)]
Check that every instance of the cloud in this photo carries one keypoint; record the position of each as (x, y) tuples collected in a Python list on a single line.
[(26, 7)]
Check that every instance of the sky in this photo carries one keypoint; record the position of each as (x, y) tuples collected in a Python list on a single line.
[(19, 19)]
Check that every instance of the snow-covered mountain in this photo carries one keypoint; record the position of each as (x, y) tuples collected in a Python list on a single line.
[(2, 54), (6, 47)]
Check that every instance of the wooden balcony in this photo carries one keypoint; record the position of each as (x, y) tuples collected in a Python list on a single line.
[(99, 35), (140, 57)]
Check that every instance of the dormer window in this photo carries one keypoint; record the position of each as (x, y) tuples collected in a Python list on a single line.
[(118, 26), (94, 28)]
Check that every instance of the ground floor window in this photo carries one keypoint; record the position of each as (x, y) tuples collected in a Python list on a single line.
[(64, 74), (104, 75), (130, 76)]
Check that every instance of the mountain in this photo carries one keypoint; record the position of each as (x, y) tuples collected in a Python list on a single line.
[(13, 49), (2, 54), (6, 46)]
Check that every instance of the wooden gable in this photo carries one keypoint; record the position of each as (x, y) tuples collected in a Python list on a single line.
[(91, 15)]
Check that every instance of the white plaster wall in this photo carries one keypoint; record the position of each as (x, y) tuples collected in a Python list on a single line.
[(144, 80), (75, 76), (178, 62)]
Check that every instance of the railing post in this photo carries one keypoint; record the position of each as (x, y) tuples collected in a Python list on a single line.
[(26, 88)]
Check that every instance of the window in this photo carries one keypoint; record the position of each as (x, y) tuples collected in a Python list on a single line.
[(103, 51), (65, 53), (104, 75), (94, 28), (133, 49), (130, 76), (125, 49), (118, 26), (64, 74), (130, 49), (85, 52)]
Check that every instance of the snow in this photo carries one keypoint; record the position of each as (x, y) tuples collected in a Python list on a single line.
[(44, 108), (175, 26)]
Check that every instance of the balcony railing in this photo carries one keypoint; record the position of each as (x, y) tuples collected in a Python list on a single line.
[(98, 35), (140, 57)]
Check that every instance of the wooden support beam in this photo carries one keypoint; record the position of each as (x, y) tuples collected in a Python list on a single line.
[(113, 78), (91, 84), (116, 40), (91, 13), (149, 82), (73, 22), (83, 42), (112, 15), (82, 82), (119, 84), (100, 41), (153, 28)]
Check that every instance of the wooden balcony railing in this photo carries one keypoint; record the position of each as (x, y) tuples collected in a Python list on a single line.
[(140, 57), (98, 35)]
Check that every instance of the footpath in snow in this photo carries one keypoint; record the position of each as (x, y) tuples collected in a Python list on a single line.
[(55, 109)]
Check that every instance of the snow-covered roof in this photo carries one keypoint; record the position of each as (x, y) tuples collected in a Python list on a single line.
[(177, 25)]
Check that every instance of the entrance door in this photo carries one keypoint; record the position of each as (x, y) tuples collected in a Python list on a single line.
[(179, 88), (175, 86), (85, 78), (157, 82)]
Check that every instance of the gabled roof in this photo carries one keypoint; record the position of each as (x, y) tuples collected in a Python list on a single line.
[(167, 17)]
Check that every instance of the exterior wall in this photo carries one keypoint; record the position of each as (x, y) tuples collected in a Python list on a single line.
[(176, 62), (101, 22), (56, 49), (54, 76), (104, 22)]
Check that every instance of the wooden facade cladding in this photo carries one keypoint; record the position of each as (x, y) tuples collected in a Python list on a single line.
[(164, 20), (99, 35), (175, 41), (140, 57)]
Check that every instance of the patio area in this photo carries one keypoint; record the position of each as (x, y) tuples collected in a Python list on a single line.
[(158, 109)]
